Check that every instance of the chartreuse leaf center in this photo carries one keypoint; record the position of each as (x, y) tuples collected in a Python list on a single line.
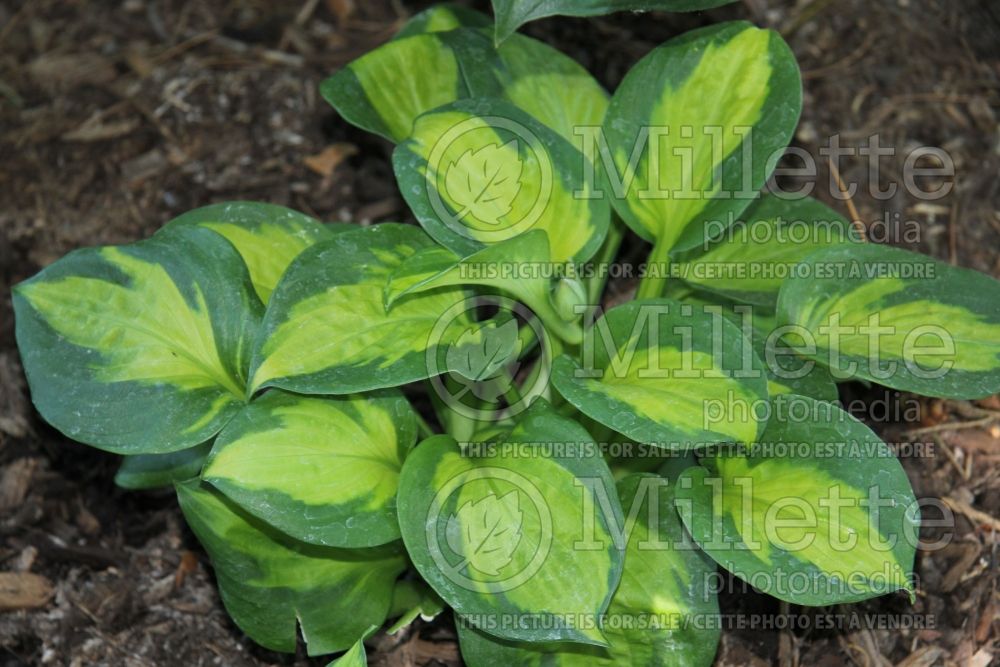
[(819, 511), (897, 318), (267, 237), (165, 322), (692, 127), (494, 531), (324, 470), (327, 329), (664, 593), (479, 172), (655, 371), (148, 332)]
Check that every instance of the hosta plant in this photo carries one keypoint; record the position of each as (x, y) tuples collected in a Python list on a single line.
[(366, 424)]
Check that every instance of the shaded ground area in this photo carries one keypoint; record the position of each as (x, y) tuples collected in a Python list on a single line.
[(117, 116)]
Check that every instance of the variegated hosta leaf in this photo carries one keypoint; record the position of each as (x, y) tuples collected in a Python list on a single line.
[(536, 78), (268, 237), (666, 374), (551, 86), (481, 171), (384, 90), (150, 471), (442, 18), (753, 257), (323, 470), (512, 14), (897, 318), (272, 585), (511, 534), (497, 266), (493, 266), (787, 372), (327, 331), (662, 613), (819, 512), (140, 349), (693, 126)]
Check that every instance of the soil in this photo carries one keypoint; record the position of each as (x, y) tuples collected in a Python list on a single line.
[(117, 116)]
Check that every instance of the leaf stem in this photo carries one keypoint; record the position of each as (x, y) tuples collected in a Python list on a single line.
[(512, 393), (423, 427), (406, 595), (570, 332), (652, 284), (607, 253)]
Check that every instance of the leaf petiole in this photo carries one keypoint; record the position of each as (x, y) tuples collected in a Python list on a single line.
[(655, 279)]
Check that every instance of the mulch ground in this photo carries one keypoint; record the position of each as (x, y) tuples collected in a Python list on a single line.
[(117, 116)]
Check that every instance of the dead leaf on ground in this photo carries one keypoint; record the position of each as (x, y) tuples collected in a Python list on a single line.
[(93, 129), (982, 658), (326, 161), (15, 480), (925, 657), (342, 9), (64, 72), (23, 590)]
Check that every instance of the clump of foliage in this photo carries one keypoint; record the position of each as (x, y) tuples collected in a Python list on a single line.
[(253, 357)]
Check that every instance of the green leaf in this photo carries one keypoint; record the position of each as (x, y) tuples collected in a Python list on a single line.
[(487, 531), (695, 126), (533, 76), (150, 471), (271, 585), (356, 656), (753, 258), (661, 613), (268, 237), (897, 318), (412, 598), (327, 330), (819, 512), (513, 266), (497, 530), (551, 86), (478, 357), (494, 266), (512, 14), (140, 349), (530, 74), (666, 374), (442, 18), (384, 90), (483, 183), (323, 470), (477, 172), (787, 372)]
